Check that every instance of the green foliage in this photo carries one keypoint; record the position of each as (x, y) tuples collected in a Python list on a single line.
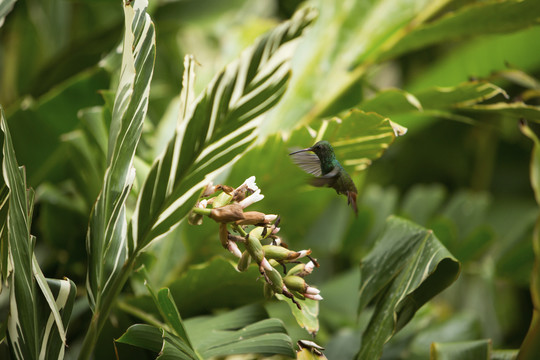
[(421, 101)]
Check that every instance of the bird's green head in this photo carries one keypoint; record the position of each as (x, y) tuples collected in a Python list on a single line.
[(323, 150)]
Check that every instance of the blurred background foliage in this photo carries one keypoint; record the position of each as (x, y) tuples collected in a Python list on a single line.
[(463, 171)]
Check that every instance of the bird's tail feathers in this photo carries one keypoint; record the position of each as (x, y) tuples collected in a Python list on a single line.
[(351, 200)]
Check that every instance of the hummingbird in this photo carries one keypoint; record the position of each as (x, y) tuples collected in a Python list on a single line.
[(327, 170)]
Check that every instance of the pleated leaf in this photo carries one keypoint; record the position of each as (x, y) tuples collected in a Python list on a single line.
[(360, 137), (242, 331), (39, 308), (406, 267), (219, 126), (107, 232)]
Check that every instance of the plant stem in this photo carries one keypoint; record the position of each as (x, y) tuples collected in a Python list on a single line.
[(103, 308), (201, 211)]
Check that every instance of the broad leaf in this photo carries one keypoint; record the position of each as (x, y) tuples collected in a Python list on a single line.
[(244, 330), (307, 317), (406, 267), (478, 18), (241, 331), (336, 53), (215, 284), (221, 124), (360, 137), (143, 336), (107, 232), (465, 350)]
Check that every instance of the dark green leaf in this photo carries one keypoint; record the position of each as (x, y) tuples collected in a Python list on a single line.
[(144, 336), (466, 350), (215, 284), (406, 268)]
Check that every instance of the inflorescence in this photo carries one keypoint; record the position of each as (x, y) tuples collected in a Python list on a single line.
[(255, 232)]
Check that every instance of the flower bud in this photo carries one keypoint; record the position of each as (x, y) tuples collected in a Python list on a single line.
[(280, 253), (244, 261), (226, 189), (298, 270), (274, 279), (223, 235), (268, 292), (252, 218), (227, 213), (255, 248), (295, 283), (233, 249), (314, 297)]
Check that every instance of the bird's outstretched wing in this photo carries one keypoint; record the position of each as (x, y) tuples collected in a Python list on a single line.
[(307, 161)]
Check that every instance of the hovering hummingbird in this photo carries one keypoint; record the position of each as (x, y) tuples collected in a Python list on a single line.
[(327, 170)]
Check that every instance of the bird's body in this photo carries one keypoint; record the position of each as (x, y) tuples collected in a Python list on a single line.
[(327, 170)]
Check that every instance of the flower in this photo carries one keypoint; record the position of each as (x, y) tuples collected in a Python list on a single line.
[(253, 198)]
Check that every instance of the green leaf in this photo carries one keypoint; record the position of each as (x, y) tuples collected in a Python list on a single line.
[(330, 64), (470, 20), (172, 316), (40, 308), (168, 310), (144, 336), (515, 111), (531, 344), (241, 331), (307, 316), (4, 239), (422, 201), (215, 284), (358, 151), (238, 332), (106, 238), (406, 267), (465, 350), (5, 7), (215, 130)]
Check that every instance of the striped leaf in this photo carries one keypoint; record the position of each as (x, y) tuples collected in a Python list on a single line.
[(5, 7), (33, 332), (246, 330), (212, 133), (106, 237), (358, 151)]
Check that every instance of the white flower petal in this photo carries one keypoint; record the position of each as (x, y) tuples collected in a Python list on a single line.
[(253, 198)]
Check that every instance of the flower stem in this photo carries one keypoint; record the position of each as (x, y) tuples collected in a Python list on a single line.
[(201, 211)]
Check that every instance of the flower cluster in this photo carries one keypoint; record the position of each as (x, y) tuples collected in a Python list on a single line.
[(256, 233)]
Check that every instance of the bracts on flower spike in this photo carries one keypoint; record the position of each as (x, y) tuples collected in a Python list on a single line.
[(225, 205)]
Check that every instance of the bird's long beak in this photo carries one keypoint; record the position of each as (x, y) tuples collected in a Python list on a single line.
[(302, 150)]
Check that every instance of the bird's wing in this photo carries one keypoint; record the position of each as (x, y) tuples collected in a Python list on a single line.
[(327, 179), (307, 161)]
